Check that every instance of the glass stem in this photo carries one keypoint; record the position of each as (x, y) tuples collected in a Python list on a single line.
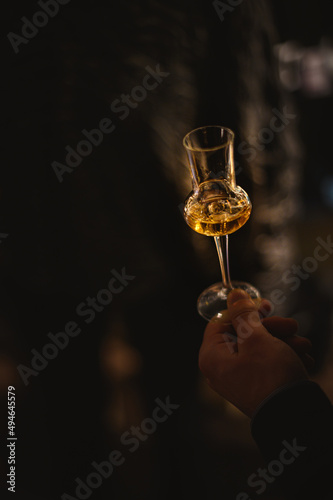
[(221, 243)]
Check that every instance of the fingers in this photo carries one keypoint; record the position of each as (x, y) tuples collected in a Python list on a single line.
[(244, 315), (219, 332), (299, 344), (221, 317), (265, 307), (280, 327), (219, 342), (303, 348), (217, 347), (244, 318), (241, 320), (286, 329)]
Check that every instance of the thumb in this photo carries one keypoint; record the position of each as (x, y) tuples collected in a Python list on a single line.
[(244, 315)]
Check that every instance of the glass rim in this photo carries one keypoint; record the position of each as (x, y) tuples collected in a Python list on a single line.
[(215, 148)]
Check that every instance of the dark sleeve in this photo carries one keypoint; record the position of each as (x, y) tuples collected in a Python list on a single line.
[(293, 429)]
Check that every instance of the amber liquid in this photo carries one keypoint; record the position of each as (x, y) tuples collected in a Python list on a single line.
[(217, 216)]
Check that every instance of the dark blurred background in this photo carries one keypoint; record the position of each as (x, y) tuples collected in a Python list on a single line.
[(121, 208)]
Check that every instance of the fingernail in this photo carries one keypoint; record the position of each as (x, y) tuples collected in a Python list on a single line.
[(257, 302), (221, 317), (237, 294)]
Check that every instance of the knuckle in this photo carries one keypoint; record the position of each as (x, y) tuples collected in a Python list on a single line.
[(242, 306)]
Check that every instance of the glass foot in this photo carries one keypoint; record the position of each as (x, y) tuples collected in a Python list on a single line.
[(214, 299)]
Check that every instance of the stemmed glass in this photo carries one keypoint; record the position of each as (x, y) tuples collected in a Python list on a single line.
[(216, 206)]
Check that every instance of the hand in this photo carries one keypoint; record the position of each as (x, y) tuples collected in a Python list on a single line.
[(246, 358), (286, 329)]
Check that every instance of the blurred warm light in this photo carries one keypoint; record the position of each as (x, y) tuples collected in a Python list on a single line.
[(121, 364), (309, 69), (8, 374), (120, 360), (274, 214), (274, 249)]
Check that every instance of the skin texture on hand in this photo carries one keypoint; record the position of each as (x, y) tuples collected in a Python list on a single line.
[(245, 358)]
